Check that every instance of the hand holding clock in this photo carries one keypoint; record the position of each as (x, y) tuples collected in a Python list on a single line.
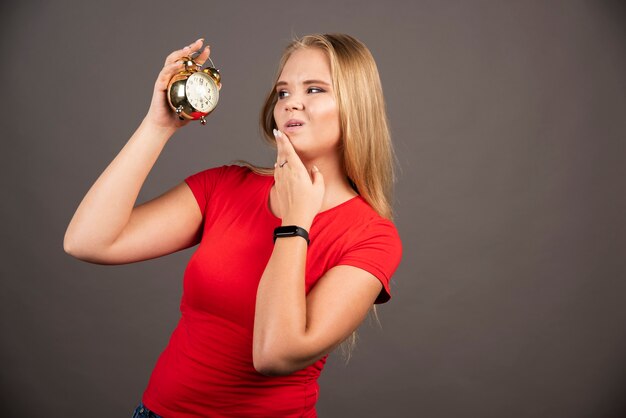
[(160, 114)]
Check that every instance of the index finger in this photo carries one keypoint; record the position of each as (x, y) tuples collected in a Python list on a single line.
[(178, 54), (204, 55), (283, 145)]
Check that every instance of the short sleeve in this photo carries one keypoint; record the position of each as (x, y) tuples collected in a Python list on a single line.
[(378, 250), (202, 185)]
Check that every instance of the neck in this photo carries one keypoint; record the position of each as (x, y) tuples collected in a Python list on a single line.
[(336, 184)]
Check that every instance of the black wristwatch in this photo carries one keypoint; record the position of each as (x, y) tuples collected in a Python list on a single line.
[(291, 231)]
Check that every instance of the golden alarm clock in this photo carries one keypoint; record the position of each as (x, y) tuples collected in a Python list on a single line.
[(194, 92)]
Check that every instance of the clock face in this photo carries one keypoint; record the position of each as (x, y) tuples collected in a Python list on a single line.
[(202, 92)]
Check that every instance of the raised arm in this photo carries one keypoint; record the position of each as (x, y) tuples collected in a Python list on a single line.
[(107, 228), (293, 330)]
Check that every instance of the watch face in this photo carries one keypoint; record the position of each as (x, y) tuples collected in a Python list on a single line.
[(202, 92)]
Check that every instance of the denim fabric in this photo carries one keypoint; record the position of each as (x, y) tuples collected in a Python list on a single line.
[(142, 412)]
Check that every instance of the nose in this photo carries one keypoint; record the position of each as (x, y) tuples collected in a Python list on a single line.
[(293, 103)]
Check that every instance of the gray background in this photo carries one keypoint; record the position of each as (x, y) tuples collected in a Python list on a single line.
[(509, 123)]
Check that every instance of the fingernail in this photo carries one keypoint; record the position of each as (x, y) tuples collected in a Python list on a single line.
[(201, 39), (315, 168)]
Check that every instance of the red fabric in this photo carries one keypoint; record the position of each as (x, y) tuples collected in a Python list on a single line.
[(206, 369)]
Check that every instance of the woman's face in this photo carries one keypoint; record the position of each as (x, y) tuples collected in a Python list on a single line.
[(306, 109)]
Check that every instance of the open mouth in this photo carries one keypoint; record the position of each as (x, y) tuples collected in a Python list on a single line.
[(293, 123)]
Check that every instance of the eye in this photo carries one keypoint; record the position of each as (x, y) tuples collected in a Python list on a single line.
[(282, 94), (315, 90)]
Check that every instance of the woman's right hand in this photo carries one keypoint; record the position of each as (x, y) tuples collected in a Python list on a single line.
[(160, 113)]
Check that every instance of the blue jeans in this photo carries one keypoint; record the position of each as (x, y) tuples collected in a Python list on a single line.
[(142, 412)]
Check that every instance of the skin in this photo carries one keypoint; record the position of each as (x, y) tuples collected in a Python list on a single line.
[(108, 228)]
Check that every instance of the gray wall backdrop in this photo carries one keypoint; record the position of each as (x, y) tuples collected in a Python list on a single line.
[(509, 122)]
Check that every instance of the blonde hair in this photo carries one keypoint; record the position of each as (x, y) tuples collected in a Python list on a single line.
[(368, 157)]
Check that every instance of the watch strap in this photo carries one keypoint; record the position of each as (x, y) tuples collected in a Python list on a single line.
[(291, 231)]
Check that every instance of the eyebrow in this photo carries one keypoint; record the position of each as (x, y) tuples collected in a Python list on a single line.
[(306, 82)]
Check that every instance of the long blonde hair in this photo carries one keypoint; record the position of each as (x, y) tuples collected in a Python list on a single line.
[(368, 157)]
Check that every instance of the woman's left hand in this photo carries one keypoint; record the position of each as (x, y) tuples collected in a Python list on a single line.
[(300, 193)]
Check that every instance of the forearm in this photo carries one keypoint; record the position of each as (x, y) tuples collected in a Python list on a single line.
[(106, 208), (280, 322)]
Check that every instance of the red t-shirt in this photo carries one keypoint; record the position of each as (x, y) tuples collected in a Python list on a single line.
[(206, 369)]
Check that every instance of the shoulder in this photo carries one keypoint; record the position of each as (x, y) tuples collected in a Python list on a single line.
[(229, 174), (229, 170), (370, 242), (360, 219), (355, 229), (370, 229), (220, 181)]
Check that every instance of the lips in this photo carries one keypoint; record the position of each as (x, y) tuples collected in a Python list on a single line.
[(293, 123)]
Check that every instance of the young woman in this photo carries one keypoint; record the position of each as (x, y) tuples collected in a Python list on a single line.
[(261, 308)]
